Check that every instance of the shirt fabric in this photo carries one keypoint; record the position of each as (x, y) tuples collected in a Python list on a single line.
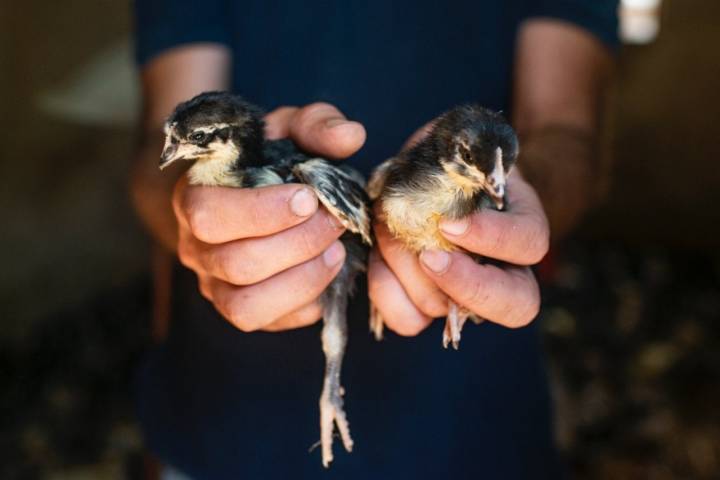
[(215, 402)]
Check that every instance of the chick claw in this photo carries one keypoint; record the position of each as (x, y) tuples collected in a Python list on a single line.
[(376, 322), (456, 318), (331, 413)]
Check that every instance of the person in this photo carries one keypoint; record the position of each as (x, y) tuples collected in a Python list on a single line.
[(231, 390)]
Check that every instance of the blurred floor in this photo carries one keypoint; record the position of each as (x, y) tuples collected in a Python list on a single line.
[(634, 344), (632, 335), (65, 391)]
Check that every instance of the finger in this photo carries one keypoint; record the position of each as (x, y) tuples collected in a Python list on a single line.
[(257, 306), (322, 129), (421, 290), (302, 317), (188, 250), (388, 296), (204, 286), (277, 122), (507, 296), (219, 215), (419, 134), (520, 235), (248, 261)]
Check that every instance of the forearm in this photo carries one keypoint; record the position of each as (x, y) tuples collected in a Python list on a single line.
[(562, 74), (564, 166), (151, 192)]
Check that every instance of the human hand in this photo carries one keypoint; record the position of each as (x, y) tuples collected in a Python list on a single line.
[(410, 290), (263, 256)]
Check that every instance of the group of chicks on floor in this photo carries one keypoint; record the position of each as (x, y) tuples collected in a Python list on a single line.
[(460, 166)]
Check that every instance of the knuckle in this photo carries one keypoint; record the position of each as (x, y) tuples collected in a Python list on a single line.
[(236, 265), (308, 115), (184, 252), (523, 311), (407, 328), (537, 243), (205, 288), (317, 108), (431, 305), (523, 315), (235, 311), (510, 314), (314, 312), (200, 218)]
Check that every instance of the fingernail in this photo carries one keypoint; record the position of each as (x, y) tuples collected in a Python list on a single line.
[(335, 122), (303, 202), (334, 254), (455, 227), (436, 260)]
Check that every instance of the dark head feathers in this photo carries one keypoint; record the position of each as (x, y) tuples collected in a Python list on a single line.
[(214, 108), (479, 129)]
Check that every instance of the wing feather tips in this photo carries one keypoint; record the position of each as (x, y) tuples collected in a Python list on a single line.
[(341, 191)]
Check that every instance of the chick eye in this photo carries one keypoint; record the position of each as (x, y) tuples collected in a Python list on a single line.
[(197, 137)]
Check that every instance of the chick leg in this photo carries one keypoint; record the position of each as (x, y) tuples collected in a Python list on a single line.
[(456, 318), (475, 319), (452, 326), (376, 322), (334, 339)]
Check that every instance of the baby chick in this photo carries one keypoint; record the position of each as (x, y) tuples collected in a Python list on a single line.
[(223, 136), (458, 168)]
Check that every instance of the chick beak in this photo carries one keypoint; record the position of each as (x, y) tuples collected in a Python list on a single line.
[(169, 155), (497, 195), (495, 184)]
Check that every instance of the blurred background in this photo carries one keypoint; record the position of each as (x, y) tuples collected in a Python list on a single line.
[(632, 301)]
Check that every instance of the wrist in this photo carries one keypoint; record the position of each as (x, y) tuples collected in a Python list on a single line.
[(563, 166)]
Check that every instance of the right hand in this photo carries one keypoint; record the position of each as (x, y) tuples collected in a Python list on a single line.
[(263, 256)]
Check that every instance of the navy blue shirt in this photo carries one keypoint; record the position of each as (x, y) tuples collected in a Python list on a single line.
[(218, 403)]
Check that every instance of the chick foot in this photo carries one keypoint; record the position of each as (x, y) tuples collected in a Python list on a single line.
[(456, 318), (376, 322), (331, 414)]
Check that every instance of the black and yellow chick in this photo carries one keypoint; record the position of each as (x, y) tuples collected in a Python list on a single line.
[(224, 136), (459, 167)]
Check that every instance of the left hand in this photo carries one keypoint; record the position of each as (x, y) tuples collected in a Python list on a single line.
[(411, 291)]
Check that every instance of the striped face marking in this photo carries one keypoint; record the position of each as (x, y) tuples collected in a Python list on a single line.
[(468, 178), (202, 144)]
